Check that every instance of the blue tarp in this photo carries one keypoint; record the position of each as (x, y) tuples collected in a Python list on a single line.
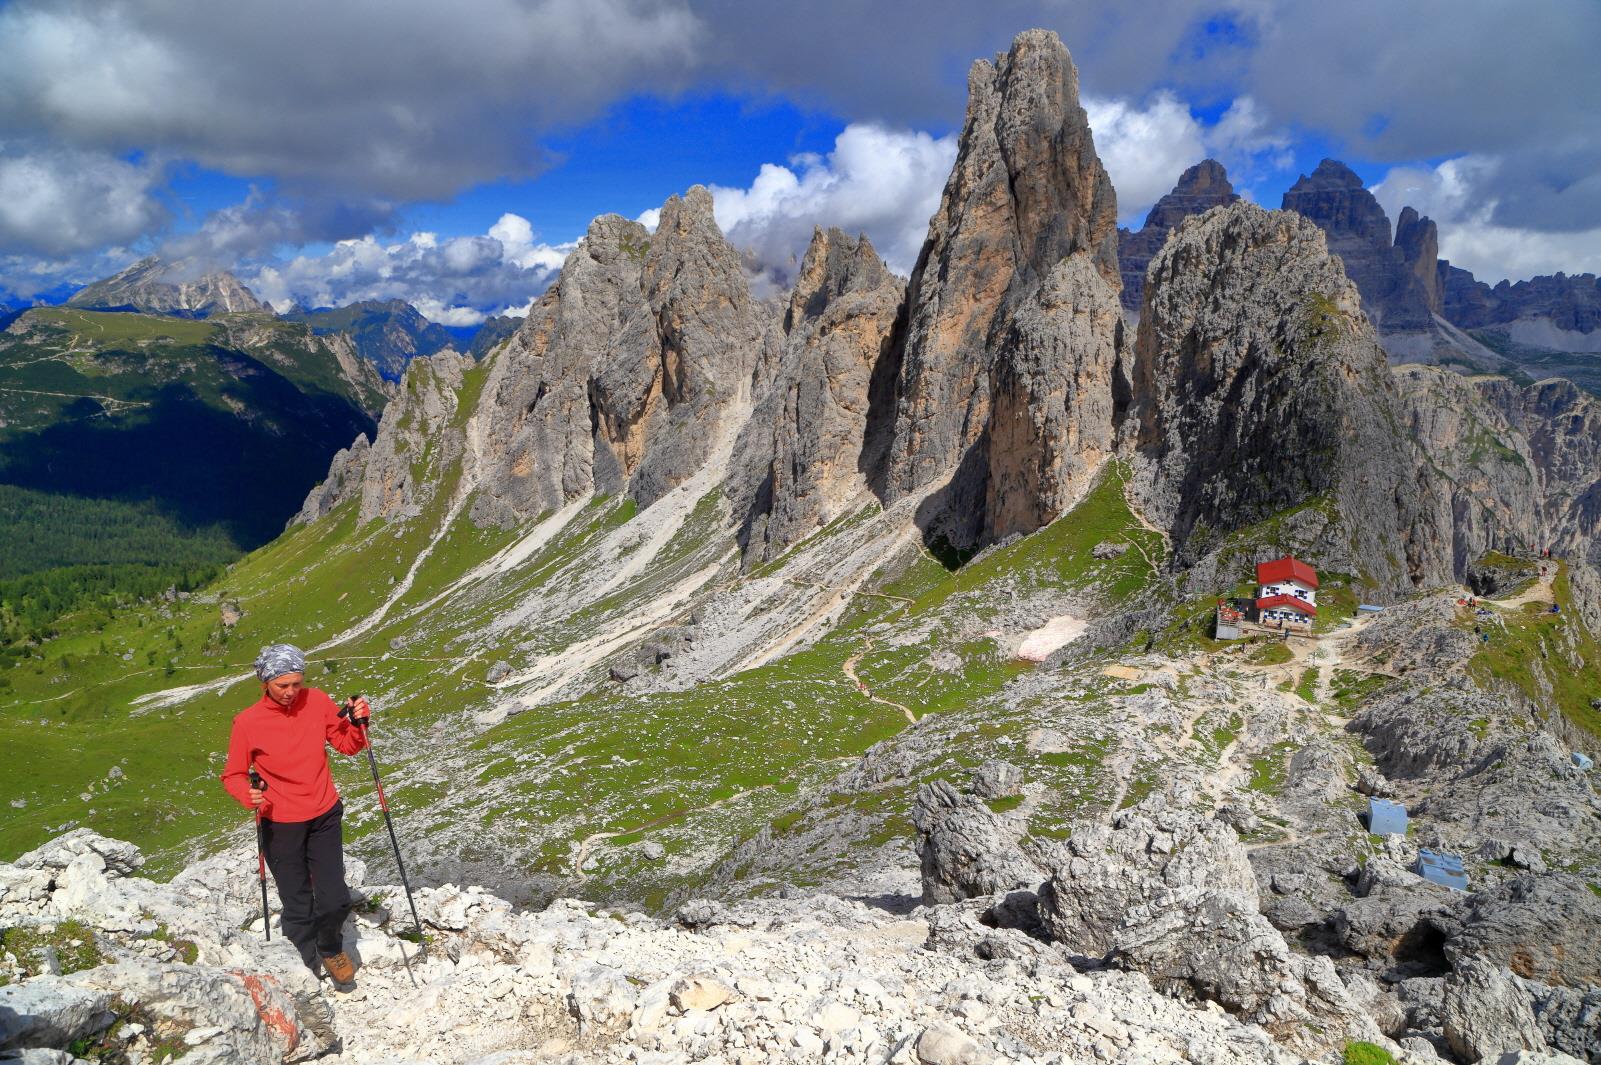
[(1386, 818), (1369, 608), (1441, 868), (1583, 761)]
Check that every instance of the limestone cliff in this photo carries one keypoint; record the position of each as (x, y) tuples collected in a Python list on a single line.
[(1259, 386), (1521, 465), (1200, 188), (630, 372), (1051, 419), (798, 463), (420, 433), (1026, 192)]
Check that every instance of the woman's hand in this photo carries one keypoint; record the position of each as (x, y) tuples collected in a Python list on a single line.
[(257, 796)]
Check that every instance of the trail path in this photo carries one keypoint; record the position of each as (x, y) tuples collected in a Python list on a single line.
[(861, 685), (1539, 591), (870, 641)]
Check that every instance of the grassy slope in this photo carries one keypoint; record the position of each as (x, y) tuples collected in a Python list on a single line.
[(1551, 659), (749, 738)]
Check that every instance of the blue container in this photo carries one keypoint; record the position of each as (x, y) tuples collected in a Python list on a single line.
[(1583, 761), (1386, 818), (1441, 868)]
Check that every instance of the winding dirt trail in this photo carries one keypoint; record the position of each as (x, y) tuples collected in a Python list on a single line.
[(861, 685)]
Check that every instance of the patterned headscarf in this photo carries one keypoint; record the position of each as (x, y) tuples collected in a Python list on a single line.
[(279, 658)]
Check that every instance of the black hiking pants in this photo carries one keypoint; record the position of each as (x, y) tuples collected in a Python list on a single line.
[(307, 860)]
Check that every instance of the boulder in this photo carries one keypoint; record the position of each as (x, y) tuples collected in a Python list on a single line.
[(48, 1011), (940, 1044), (1170, 893), (964, 849), (700, 992), (996, 779), (1545, 928), (119, 858), (498, 672), (1485, 1013), (600, 997)]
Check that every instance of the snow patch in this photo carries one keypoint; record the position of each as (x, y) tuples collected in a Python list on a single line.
[(1050, 637)]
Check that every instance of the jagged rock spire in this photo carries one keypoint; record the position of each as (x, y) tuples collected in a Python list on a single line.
[(1027, 192), (798, 463)]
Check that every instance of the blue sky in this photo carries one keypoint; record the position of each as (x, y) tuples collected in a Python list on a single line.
[(329, 153)]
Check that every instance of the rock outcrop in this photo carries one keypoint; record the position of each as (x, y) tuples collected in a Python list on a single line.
[(1545, 928), (799, 460), (422, 432), (1027, 192), (1485, 1013), (1200, 188), (965, 851), (156, 287), (634, 369), (1259, 387), (1169, 893), (1521, 464), (804, 979), (345, 474)]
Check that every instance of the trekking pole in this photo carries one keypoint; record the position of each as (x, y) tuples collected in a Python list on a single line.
[(383, 804), (261, 858)]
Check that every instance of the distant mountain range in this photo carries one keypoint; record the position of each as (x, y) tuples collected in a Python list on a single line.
[(136, 438), (1425, 309), (387, 333)]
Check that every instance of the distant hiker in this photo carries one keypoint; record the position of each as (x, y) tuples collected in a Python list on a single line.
[(283, 736)]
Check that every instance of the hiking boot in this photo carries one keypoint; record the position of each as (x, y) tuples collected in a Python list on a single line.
[(340, 968)]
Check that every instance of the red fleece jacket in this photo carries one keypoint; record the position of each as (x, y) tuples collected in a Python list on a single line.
[(285, 743)]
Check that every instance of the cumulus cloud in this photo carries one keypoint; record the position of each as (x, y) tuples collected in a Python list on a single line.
[(1145, 147), (405, 99), (454, 281), (55, 201), (1459, 195), (879, 181)]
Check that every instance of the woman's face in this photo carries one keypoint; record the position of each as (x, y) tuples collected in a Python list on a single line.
[(282, 690)]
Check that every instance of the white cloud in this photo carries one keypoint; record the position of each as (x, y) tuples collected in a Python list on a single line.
[(56, 201), (1146, 147), (452, 281), (1459, 195), (879, 181)]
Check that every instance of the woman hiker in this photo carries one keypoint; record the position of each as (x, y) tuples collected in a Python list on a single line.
[(282, 738)]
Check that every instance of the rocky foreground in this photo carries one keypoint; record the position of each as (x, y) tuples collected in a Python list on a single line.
[(1143, 942)]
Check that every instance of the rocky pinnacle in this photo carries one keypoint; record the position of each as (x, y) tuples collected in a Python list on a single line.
[(798, 463), (1259, 386), (1027, 192)]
